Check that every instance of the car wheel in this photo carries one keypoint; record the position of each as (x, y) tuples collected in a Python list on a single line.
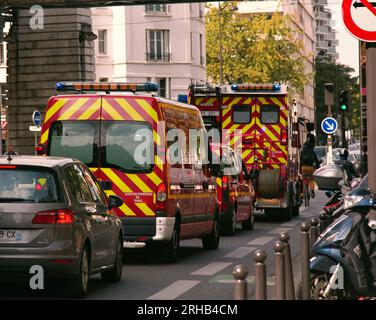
[(115, 274), (80, 285), (211, 242), (249, 223), (229, 224), (171, 248)]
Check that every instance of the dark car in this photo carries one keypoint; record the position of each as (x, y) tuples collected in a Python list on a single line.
[(54, 214)]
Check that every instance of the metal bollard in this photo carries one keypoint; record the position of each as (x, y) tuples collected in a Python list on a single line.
[(240, 274), (289, 274), (279, 247), (314, 230), (305, 249), (323, 222), (260, 275)]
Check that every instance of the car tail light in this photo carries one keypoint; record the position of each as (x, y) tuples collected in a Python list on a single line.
[(284, 136), (40, 149), (161, 197), (7, 167), (224, 183), (54, 217)]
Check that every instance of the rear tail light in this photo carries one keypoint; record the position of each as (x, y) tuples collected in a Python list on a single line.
[(54, 217), (40, 149), (284, 136), (224, 183), (161, 197)]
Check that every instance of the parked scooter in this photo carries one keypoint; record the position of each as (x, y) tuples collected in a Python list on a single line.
[(343, 263)]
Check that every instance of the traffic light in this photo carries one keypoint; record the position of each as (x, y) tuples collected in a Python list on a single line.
[(343, 100)]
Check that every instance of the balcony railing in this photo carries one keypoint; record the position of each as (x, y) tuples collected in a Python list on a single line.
[(322, 45), (322, 15), (164, 57), (322, 30)]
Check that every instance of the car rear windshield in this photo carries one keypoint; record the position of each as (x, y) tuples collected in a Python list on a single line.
[(28, 184), (123, 144)]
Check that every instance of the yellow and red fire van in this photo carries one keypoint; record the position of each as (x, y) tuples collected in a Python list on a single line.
[(269, 140), (109, 125)]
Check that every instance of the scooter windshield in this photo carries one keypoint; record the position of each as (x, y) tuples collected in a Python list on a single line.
[(338, 230)]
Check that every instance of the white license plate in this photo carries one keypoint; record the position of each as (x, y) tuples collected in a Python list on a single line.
[(10, 235)]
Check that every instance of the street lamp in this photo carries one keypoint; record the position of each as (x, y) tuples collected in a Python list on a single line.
[(233, 8)]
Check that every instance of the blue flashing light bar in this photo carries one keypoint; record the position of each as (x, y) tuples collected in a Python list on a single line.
[(256, 87), (182, 98), (106, 86)]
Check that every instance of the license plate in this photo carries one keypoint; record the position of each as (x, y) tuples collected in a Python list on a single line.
[(10, 235)]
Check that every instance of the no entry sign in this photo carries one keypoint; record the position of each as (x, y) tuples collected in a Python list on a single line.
[(359, 17)]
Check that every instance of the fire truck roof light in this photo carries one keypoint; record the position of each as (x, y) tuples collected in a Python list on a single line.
[(106, 86), (255, 87)]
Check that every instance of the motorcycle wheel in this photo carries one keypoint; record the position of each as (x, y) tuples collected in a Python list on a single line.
[(318, 284)]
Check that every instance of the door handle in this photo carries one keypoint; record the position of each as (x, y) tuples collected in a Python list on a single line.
[(187, 185)]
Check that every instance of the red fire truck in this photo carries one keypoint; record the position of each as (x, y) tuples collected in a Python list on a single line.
[(271, 136)]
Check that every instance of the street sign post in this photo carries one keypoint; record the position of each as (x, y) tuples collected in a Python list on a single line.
[(329, 125), (37, 120), (359, 17)]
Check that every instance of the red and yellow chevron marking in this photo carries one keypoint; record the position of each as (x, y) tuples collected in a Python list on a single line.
[(206, 103)]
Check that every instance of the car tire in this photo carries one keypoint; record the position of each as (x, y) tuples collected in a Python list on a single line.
[(229, 224), (80, 285), (171, 248), (249, 223), (211, 241), (115, 274)]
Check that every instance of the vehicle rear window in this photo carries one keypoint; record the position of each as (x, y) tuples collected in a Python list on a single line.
[(269, 114), (128, 145), (75, 139), (241, 114), (28, 184)]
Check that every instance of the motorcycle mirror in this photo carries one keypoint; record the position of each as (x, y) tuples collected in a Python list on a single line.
[(329, 194)]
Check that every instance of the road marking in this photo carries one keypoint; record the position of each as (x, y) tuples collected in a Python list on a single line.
[(240, 252), (260, 241), (290, 224), (211, 268), (279, 230), (174, 290), (229, 279)]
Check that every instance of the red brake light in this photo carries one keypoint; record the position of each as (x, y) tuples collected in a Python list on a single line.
[(7, 167), (40, 149), (284, 136), (54, 217), (161, 197), (224, 182)]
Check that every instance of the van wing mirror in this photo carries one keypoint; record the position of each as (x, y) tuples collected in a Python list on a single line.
[(114, 202), (105, 185)]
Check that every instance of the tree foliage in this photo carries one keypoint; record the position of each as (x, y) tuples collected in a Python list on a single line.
[(258, 50), (328, 71)]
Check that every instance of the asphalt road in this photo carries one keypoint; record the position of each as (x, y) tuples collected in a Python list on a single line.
[(198, 275)]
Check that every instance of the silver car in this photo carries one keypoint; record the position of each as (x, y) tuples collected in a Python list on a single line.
[(54, 214)]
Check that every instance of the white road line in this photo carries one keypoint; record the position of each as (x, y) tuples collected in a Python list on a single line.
[(240, 252), (279, 230), (260, 241), (290, 224), (174, 290), (211, 269)]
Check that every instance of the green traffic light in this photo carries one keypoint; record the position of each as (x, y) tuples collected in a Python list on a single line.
[(343, 107)]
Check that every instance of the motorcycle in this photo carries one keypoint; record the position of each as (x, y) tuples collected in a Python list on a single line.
[(343, 263)]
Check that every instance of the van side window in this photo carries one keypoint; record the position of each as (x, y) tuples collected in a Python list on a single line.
[(241, 114), (269, 114)]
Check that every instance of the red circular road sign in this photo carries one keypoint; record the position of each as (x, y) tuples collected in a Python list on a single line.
[(352, 26)]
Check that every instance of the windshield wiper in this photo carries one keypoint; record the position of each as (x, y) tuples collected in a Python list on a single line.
[(16, 200)]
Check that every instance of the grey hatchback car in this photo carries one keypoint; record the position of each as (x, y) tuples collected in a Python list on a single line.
[(54, 214)]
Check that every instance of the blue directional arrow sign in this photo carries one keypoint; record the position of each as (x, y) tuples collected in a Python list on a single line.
[(329, 125)]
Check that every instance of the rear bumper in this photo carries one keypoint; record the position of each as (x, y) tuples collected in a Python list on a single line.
[(58, 260), (139, 230)]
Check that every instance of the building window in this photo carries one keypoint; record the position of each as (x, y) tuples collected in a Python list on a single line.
[(102, 41), (2, 52), (201, 52), (103, 79), (157, 44), (152, 8), (162, 82)]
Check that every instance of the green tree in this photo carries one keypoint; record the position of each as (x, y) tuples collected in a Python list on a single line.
[(326, 71), (262, 49)]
